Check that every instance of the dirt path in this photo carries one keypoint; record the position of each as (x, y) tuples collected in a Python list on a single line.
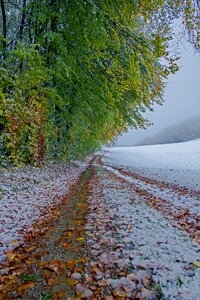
[(115, 238), (44, 268)]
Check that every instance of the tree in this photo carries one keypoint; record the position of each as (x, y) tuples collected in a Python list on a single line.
[(80, 72)]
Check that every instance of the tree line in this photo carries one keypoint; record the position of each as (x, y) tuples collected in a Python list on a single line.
[(76, 73)]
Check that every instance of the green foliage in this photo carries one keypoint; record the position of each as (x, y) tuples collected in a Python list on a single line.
[(75, 74), (29, 277), (25, 94)]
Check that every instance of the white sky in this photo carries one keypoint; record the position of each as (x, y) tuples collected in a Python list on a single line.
[(182, 100)]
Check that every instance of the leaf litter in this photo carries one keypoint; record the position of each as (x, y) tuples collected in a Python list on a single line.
[(105, 242)]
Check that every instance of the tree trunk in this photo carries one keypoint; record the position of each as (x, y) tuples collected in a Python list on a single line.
[(21, 29), (4, 27)]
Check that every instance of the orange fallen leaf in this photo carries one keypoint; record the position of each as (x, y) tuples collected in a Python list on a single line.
[(47, 274), (119, 293), (53, 281), (122, 273), (70, 263), (59, 295), (22, 256), (30, 249), (22, 289), (66, 245), (81, 260)]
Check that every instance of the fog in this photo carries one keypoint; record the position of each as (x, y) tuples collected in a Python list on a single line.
[(182, 100)]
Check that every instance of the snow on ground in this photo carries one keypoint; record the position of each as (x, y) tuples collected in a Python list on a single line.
[(175, 163), (174, 197), (29, 193), (163, 216), (144, 241)]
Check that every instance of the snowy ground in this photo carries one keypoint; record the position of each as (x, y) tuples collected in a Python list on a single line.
[(174, 163), (28, 195), (142, 228), (155, 190), (126, 234)]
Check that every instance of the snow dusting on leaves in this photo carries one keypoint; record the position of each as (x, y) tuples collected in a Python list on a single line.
[(117, 235)]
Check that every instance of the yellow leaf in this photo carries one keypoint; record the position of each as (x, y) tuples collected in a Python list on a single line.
[(72, 281), (196, 264), (80, 239), (10, 256), (15, 242)]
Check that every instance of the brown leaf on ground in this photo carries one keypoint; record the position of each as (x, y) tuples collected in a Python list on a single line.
[(47, 274), (118, 292), (53, 281), (23, 288), (59, 295), (72, 281)]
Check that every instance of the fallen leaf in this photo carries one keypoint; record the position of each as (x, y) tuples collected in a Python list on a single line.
[(70, 263), (72, 281), (54, 265), (53, 281), (59, 295), (31, 261), (80, 239), (66, 245), (11, 256), (196, 264), (47, 274), (15, 242), (119, 293), (22, 289)]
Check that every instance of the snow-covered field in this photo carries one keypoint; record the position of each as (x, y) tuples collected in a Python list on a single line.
[(175, 163)]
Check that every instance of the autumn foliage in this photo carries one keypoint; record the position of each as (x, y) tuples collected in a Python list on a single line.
[(75, 74)]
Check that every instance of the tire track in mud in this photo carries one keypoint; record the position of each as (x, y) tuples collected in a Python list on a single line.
[(177, 203)]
